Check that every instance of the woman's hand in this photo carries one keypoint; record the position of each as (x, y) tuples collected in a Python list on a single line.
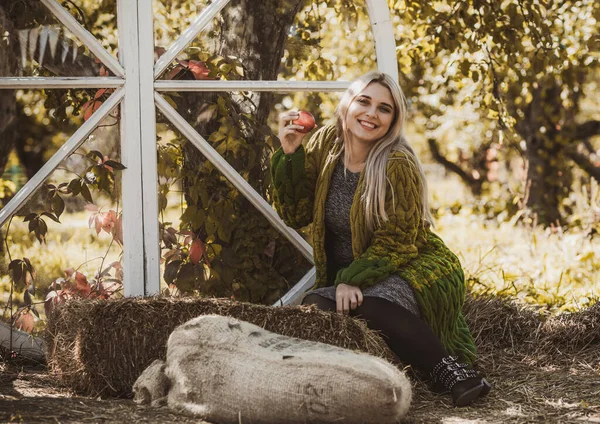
[(347, 297), (289, 137)]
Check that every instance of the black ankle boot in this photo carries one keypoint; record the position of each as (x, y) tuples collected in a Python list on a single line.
[(462, 381)]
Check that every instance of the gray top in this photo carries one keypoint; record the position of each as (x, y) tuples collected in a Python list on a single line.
[(338, 235)]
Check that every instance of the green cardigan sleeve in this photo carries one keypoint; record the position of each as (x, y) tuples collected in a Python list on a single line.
[(295, 176), (393, 242)]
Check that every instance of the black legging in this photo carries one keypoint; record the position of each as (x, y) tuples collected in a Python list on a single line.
[(406, 334)]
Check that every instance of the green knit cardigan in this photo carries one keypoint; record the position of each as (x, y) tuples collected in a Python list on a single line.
[(401, 245)]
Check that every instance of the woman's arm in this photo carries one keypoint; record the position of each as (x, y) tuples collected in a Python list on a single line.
[(393, 242), (295, 176)]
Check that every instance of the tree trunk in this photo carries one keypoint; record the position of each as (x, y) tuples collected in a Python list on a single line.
[(8, 67), (548, 182), (255, 33), (548, 175)]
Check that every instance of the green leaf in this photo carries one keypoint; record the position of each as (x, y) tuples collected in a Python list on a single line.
[(95, 154), (29, 217), (33, 224), (225, 68), (31, 268), (85, 192), (194, 217), (75, 186), (171, 271), (41, 230), (162, 202), (186, 277), (116, 165), (58, 205), (51, 216), (210, 226), (18, 269)]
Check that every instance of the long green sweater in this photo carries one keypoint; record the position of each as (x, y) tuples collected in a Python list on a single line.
[(401, 245)]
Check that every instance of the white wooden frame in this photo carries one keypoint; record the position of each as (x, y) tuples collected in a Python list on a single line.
[(138, 92)]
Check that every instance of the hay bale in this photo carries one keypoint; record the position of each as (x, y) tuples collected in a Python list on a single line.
[(499, 323), (573, 332), (101, 347), (504, 324)]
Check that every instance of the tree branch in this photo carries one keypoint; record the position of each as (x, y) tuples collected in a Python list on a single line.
[(584, 163), (474, 184), (586, 130)]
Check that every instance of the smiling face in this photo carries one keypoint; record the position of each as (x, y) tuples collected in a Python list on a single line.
[(370, 114)]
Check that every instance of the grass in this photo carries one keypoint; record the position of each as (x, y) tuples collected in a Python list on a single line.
[(551, 268)]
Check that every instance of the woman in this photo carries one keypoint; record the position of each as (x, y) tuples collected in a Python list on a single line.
[(364, 189)]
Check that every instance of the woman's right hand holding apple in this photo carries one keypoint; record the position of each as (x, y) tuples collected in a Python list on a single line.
[(290, 134)]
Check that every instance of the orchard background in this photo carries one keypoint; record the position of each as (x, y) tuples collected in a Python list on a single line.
[(504, 113)]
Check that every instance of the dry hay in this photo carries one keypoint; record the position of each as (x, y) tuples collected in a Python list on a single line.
[(101, 347), (543, 369), (503, 325)]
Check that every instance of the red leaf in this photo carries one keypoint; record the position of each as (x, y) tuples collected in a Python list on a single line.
[(199, 69), (196, 251), (99, 93), (69, 272), (49, 302), (89, 108), (53, 299), (117, 231), (108, 221), (81, 284), (25, 322)]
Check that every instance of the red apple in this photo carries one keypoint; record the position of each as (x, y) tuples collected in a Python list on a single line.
[(306, 120)]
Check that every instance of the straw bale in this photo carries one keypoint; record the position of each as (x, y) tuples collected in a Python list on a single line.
[(100, 347), (503, 324), (499, 323)]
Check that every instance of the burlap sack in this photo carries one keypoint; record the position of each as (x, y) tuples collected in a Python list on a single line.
[(152, 385), (229, 371)]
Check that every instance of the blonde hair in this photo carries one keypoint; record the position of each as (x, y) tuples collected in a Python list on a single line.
[(375, 178)]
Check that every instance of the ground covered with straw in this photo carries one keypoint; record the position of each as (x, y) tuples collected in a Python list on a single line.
[(543, 370)]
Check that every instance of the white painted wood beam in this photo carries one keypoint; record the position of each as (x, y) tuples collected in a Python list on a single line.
[(383, 32), (72, 144), (148, 146), (85, 36), (131, 151), (232, 175), (294, 295), (15, 83), (282, 86), (188, 36)]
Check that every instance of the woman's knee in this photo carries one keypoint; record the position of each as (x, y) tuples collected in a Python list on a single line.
[(370, 311), (383, 315), (320, 302)]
